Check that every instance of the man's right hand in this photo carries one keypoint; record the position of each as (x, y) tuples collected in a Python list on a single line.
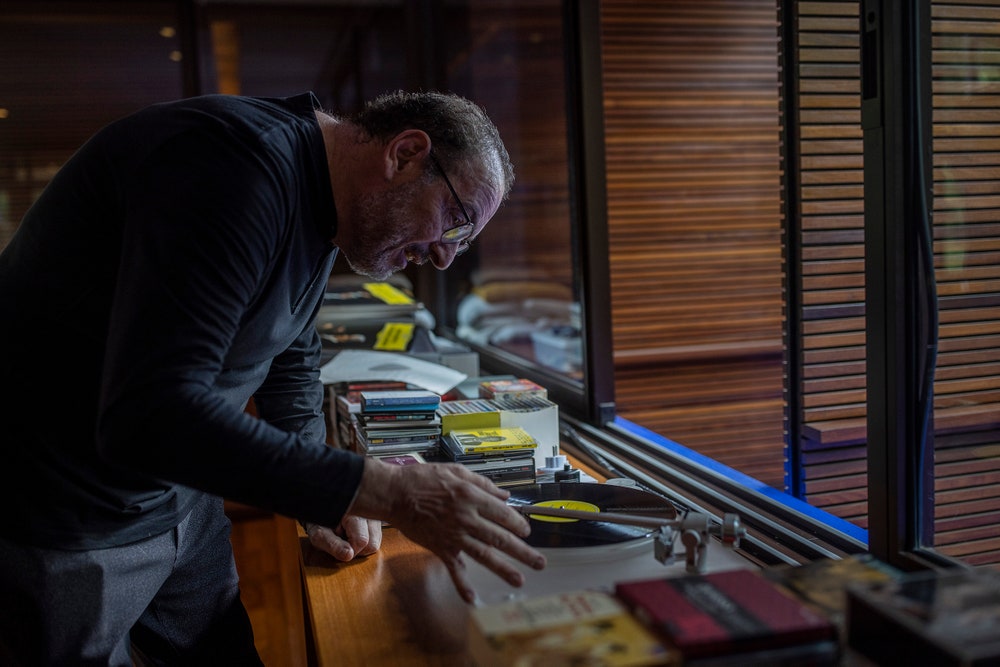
[(450, 511)]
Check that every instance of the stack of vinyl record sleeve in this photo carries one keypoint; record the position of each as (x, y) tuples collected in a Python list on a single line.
[(506, 455), (397, 422)]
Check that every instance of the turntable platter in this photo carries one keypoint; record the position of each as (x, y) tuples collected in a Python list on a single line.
[(561, 532)]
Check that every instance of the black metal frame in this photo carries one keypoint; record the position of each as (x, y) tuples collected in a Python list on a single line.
[(901, 309), (585, 103), (792, 250)]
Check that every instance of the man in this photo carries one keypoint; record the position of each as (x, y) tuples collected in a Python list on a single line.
[(170, 272)]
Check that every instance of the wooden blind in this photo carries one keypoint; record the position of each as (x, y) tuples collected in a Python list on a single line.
[(966, 140), (692, 145), (692, 151), (830, 228), (966, 229)]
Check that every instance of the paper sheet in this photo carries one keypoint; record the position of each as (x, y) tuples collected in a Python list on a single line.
[(350, 365)]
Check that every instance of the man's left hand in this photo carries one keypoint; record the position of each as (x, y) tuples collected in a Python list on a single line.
[(353, 537)]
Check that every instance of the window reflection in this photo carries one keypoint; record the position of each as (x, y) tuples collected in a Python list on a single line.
[(514, 290)]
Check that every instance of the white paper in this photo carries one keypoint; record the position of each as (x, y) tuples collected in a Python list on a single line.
[(355, 365)]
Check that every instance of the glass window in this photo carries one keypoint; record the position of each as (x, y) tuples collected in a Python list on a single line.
[(966, 206), (343, 53), (517, 296), (710, 296)]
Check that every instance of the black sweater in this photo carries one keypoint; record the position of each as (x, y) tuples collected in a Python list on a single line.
[(171, 270)]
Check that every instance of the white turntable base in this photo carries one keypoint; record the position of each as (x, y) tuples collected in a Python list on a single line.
[(596, 568)]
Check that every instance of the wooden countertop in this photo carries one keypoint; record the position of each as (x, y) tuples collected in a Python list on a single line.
[(397, 607)]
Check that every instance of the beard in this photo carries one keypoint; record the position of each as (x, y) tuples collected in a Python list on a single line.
[(383, 223)]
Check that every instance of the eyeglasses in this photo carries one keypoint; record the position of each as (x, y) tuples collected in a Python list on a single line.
[(461, 232)]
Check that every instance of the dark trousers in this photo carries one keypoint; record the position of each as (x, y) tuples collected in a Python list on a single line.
[(173, 599)]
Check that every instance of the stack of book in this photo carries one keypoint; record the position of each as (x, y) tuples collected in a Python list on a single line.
[(823, 583), (506, 455), (397, 422), (369, 315)]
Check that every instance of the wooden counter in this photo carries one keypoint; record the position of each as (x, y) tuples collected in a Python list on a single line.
[(397, 607)]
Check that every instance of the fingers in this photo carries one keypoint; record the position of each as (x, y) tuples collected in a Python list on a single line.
[(451, 511), (354, 537), (479, 524), (495, 548), (459, 578), (372, 538), (494, 557), (325, 539)]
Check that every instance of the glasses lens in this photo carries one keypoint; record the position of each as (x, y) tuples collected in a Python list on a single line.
[(459, 233)]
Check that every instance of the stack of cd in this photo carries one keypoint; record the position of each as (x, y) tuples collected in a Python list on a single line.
[(397, 422), (506, 455)]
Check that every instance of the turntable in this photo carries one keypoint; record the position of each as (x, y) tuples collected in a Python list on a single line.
[(595, 535)]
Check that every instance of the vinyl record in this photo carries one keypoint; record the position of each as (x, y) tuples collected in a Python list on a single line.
[(597, 498)]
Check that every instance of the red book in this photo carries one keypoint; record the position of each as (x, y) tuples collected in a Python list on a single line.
[(723, 613)]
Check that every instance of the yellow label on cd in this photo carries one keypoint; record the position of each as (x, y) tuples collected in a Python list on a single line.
[(394, 336), (578, 505)]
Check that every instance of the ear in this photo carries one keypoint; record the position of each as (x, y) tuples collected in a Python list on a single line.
[(406, 152)]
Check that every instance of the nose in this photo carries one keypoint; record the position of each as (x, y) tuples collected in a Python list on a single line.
[(442, 255)]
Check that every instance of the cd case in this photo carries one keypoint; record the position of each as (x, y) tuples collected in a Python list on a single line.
[(928, 618), (574, 628)]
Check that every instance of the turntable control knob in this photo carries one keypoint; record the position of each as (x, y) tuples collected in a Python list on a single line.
[(567, 474), (732, 530)]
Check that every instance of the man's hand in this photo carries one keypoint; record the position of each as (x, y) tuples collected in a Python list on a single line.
[(450, 511), (353, 537)]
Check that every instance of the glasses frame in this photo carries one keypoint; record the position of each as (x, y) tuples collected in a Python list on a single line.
[(459, 234)]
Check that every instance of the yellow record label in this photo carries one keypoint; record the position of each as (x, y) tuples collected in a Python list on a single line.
[(388, 293), (394, 336), (578, 505)]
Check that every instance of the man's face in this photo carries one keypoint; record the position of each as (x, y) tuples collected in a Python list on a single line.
[(404, 224)]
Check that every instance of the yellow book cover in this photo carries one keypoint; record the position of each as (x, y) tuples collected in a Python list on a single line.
[(470, 441), (561, 630)]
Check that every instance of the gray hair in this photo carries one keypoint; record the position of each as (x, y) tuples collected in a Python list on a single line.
[(460, 130)]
